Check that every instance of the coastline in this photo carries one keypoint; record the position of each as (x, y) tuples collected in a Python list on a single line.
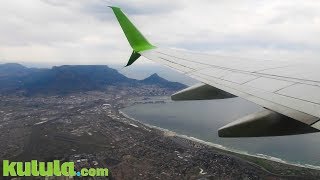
[(229, 151)]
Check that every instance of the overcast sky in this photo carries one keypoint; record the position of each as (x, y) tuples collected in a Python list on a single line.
[(86, 31)]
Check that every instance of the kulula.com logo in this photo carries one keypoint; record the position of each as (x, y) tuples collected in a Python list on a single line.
[(54, 168)]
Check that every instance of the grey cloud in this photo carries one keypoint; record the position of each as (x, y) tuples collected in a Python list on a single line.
[(73, 30), (233, 43), (299, 14), (144, 7), (94, 8)]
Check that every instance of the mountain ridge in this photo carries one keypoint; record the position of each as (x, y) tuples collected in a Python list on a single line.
[(70, 78)]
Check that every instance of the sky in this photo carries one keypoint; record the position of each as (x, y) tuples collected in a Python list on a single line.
[(59, 32)]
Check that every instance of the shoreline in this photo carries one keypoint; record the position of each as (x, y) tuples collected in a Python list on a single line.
[(221, 147)]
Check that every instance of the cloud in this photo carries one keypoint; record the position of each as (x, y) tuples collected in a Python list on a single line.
[(86, 32)]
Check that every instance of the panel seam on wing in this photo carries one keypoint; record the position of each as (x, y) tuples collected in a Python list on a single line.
[(247, 72)]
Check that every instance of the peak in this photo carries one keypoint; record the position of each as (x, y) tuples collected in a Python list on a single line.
[(154, 75), (154, 78)]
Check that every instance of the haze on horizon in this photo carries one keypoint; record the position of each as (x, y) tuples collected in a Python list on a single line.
[(59, 32)]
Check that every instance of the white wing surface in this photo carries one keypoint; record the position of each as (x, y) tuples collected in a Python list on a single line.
[(287, 88)]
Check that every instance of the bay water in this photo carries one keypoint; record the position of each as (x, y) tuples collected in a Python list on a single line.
[(202, 119)]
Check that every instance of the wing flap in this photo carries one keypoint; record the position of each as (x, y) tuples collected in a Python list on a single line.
[(268, 84), (310, 93)]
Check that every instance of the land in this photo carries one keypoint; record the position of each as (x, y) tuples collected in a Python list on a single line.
[(88, 128)]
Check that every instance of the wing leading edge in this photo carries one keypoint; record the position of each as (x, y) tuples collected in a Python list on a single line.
[(278, 86)]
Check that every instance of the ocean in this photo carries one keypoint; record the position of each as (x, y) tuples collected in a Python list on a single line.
[(202, 119)]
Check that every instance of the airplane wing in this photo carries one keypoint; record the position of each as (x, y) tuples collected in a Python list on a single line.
[(288, 91)]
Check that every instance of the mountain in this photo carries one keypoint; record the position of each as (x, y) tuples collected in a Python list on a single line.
[(66, 79), (70, 78), (11, 69), (11, 76), (155, 79)]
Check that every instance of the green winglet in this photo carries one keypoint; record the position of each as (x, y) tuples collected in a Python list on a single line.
[(137, 41), (134, 56)]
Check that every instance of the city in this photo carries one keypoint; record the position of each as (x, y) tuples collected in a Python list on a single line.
[(89, 129)]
